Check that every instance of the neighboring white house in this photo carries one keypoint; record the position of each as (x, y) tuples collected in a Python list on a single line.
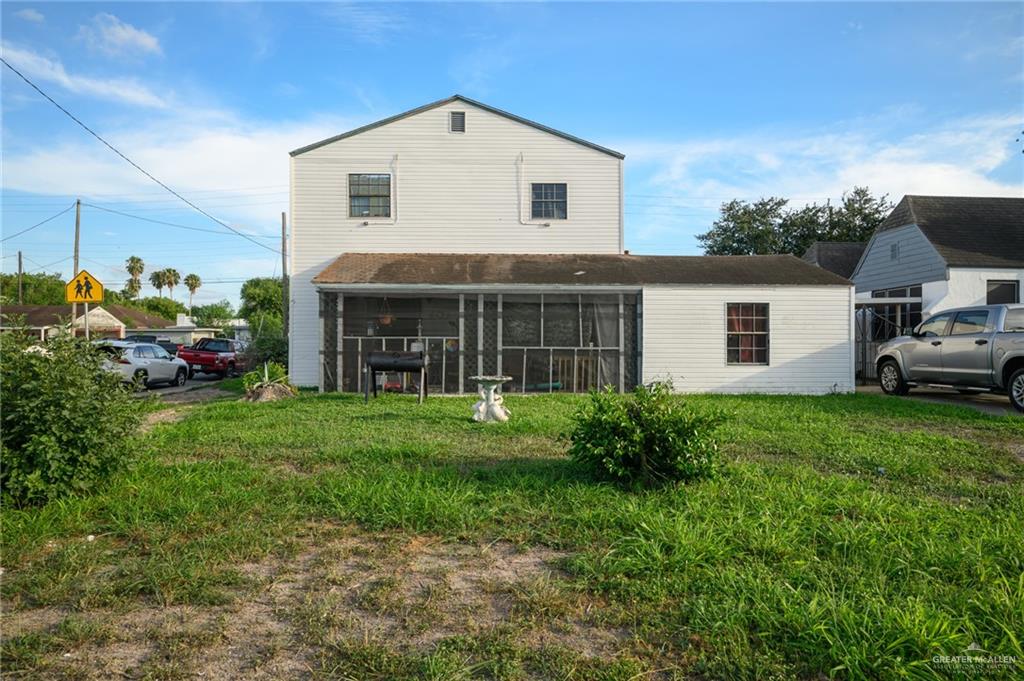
[(497, 243), (939, 252)]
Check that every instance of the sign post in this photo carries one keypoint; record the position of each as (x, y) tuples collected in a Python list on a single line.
[(83, 288)]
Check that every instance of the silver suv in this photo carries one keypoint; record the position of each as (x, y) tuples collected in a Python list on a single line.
[(970, 349)]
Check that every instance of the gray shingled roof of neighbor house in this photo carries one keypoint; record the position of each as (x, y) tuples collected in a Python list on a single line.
[(512, 269), (967, 231), (840, 257)]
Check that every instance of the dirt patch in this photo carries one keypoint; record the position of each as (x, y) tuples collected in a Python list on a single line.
[(154, 418), (403, 593), (197, 395)]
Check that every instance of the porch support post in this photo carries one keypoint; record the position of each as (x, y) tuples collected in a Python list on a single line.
[(340, 345), (480, 335), (322, 334), (499, 338), (622, 345), (462, 342)]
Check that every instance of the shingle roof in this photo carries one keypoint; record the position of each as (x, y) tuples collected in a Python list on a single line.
[(467, 100), (840, 257), (51, 315), (967, 231), (575, 269)]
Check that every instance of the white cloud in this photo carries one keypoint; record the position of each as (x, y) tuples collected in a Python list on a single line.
[(29, 14), (110, 36), (42, 68), (369, 23)]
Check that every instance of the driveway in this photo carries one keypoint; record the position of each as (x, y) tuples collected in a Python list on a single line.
[(987, 403)]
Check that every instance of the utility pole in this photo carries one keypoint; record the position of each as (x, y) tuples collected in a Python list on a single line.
[(21, 299), (284, 273), (78, 229)]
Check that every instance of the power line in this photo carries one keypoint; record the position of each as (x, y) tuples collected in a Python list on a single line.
[(131, 162), (56, 262), (38, 224), (174, 224)]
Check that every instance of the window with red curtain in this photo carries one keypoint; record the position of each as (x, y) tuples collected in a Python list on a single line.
[(747, 333)]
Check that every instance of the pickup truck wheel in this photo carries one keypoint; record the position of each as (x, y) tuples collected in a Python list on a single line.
[(180, 377), (231, 373), (891, 380), (1015, 389)]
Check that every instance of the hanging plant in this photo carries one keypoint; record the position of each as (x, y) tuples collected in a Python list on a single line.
[(385, 317)]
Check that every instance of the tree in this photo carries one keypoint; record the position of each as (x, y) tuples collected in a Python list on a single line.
[(135, 268), (192, 283), (37, 289), (132, 287), (161, 307), (767, 226), (171, 279), (261, 294), (158, 279), (214, 315)]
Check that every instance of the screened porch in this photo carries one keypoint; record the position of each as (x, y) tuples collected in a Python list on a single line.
[(547, 342)]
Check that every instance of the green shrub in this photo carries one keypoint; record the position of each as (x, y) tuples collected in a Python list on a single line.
[(66, 420), (271, 373), (647, 437)]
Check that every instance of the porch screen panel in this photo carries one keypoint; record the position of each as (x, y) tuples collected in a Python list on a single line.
[(469, 343), (562, 321), (329, 356)]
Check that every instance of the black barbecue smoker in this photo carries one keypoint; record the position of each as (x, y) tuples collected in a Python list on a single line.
[(395, 362)]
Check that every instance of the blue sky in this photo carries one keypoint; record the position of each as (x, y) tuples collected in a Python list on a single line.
[(708, 102)]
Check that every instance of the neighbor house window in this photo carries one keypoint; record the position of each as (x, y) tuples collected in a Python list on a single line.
[(369, 195), (747, 333), (457, 121), (1000, 292), (549, 201)]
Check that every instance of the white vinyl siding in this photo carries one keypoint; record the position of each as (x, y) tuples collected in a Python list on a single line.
[(466, 193), (810, 341)]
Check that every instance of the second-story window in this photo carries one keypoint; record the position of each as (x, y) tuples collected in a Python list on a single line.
[(549, 201), (369, 195)]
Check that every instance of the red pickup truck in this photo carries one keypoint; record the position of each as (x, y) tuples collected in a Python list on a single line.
[(219, 356)]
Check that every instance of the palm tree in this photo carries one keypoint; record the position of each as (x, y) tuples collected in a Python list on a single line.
[(192, 282), (132, 288), (171, 279), (158, 279), (135, 268)]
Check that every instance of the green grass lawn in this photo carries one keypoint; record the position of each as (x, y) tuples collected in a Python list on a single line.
[(846, 536)]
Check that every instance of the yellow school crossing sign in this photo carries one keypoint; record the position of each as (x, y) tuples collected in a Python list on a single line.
[(84, 288)]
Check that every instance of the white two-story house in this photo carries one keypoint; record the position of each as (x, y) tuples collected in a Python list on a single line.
[(496, 244)]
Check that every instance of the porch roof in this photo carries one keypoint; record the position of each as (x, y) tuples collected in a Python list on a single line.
[(441, 269)]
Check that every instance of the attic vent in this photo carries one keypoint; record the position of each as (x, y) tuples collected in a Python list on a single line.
[(894, 252), (457, 121)]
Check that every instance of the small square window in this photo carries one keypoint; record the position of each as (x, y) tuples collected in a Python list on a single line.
[(457, 121), (369, 195), (549, 201)]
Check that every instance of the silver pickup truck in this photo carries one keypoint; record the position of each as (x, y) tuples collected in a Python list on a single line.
[(970, 349)]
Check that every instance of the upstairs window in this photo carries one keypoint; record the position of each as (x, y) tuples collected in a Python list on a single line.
[(549, 201), (457, 121), (369, 195), (746, 333)]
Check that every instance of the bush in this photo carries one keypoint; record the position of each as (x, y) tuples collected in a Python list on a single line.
[(66, 420), (266, 383), (647, 437)]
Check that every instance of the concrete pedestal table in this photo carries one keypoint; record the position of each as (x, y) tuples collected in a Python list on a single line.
[(490, 407)]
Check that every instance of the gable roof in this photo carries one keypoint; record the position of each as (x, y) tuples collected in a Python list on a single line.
[(967, 231), (467, 100), (440, 269), (39, 316), (840, 257)]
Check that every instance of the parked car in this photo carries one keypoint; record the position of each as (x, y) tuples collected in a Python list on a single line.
[(146, 362), (167, 344), (970, 349), (220, 356)]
